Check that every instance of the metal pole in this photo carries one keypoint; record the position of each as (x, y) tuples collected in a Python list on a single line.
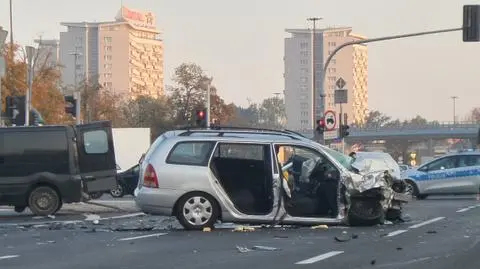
[(28, 96), (341, 123), (3, 37), (313, 76), (208, 102), (357, 42), (76, 92), (454, 110)]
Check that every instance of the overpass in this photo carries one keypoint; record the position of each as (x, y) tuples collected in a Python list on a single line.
[(444, 130)]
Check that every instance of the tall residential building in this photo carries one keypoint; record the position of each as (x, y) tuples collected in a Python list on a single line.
[(125, 55), (48, 53), (350, 63)]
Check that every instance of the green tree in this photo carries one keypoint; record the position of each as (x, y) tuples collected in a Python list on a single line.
[(271, 113), (376, 119)]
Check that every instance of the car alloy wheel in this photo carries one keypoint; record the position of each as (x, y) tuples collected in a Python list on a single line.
[(117, 192), (197, 211)]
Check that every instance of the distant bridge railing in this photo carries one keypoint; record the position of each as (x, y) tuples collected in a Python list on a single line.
[(413, 126)]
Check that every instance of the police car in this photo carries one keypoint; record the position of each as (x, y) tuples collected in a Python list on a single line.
[(456, 174)]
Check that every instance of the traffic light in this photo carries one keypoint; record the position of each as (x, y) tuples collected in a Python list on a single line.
[(344, 130), (70, 105), (201, 118), (320, 125), (15, 109), (471, 23)]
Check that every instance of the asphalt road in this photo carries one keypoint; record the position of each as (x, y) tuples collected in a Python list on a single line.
[(442, 234)]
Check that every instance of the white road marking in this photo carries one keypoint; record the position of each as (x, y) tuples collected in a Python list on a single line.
[(9, 257), (320, 257), (91, 217), (397, 232), (466, 209), (418, 225), (141, 237)]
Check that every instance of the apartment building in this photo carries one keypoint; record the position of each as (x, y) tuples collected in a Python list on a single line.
[(124, 56), (351, 63)]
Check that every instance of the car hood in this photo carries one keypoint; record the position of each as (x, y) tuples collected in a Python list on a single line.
[(367, 164), (370, 176)]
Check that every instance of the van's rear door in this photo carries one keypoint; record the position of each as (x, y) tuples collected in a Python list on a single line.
[(96, 156)]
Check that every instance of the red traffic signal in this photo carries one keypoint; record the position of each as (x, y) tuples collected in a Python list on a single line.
[(321, 122), (200, 114)]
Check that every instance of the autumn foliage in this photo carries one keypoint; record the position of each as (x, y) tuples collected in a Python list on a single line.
[(46, 95)]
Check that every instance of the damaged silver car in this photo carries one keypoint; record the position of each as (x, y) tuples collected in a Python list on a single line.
[(202, 176)]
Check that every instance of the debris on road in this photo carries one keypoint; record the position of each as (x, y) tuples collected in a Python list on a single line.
[(243, 249), (264, 248), (244, 229), (323, 226), (431, 232), (207, 229)]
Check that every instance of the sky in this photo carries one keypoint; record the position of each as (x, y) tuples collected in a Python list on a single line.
[(241, 44)]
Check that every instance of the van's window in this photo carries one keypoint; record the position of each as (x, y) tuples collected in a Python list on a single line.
[(95, 142), (29, 152), (190, 153)]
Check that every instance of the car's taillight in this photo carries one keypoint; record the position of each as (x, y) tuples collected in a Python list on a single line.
[(150, 179)]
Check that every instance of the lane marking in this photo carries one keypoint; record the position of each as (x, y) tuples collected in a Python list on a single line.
[(141, 237), (418, 225), (9, 257), (397, 232), (320, 257), (466, 209)]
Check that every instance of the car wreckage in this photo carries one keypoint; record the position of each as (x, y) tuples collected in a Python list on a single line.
[(272, 177)]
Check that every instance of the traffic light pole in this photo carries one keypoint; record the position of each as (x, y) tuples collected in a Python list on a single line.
[(365, 41), (208, 104)]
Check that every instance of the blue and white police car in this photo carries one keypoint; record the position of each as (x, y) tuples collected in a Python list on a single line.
[(451, 174)]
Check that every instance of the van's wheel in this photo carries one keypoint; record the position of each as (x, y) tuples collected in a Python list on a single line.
[(20, 209), (95, 195), (197, 210), (43, 201)]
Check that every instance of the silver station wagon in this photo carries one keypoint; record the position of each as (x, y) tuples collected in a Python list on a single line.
[(202, 176)]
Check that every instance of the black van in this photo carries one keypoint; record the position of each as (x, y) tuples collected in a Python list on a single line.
[(45, 166)]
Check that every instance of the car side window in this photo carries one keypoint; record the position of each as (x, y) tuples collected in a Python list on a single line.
[(190, 153), (95, 142), (444, 163), (469, 160)]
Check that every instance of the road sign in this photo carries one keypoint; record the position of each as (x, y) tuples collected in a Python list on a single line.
[(330, 120), (330, 135), (340, 83)]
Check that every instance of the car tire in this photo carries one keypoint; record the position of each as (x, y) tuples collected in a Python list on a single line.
[(118, 192), (20, 209), (366, 213), (43, 201), (95, 195), (197, 210), (414, 190)]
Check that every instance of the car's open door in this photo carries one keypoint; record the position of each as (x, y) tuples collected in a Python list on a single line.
[(96, 156)]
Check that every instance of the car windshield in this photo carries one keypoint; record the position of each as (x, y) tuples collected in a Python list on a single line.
[(343, 159)]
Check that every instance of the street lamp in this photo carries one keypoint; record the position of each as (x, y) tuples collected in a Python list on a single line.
[(28, 98), (76, 92), (314, 92), (454, 98), (208, 82), (3, 38)]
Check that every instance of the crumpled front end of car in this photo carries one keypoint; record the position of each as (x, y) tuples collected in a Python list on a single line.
[(371, 197)]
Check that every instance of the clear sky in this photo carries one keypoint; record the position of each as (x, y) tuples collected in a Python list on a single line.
[(240, 43)]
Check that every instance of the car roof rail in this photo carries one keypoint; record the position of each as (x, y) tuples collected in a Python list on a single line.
[(239, 130)]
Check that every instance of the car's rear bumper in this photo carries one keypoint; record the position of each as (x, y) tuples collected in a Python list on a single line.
[(157, 201)]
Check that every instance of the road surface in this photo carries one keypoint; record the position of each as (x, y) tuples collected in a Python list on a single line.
[(442, 234)]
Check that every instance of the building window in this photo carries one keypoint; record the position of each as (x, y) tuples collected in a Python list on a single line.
[(107, 57), (107, 66), (303, 45), (303, 79), (303, 61), (107, 39), (108, 48)]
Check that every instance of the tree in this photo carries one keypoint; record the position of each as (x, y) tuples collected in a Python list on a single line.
[(149, 112), (189, 91), (376, 119), (46, 95), (245, 117), (99, 103), (475, 115), (272, 113), (418, 120)]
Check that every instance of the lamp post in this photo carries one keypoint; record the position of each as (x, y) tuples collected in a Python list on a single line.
[(454, 98), (208, 82), (76, 92), (3, 38), (28, 98), (313, 77)]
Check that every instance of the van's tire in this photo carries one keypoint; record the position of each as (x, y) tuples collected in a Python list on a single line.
[(118, 191), (206, 211), (366, 213), (44, 201), (95, 195), (20, 209)]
